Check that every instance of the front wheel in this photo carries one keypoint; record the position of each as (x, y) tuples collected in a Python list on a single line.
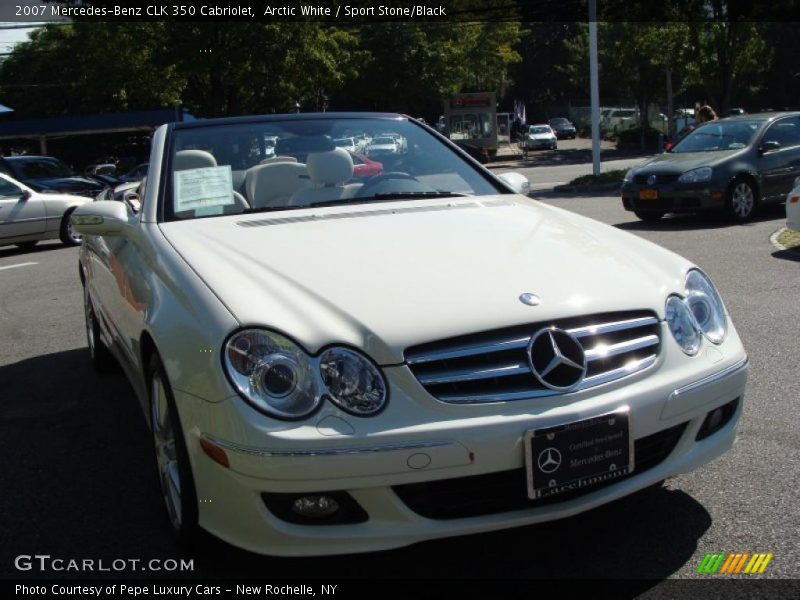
[(650, 216), (102, 359), (69, 237), (172, 460), (742, 200)]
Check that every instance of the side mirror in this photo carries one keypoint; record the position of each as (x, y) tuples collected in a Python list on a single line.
[(103, 217), (518, 182), (26, 194), (768, 146)]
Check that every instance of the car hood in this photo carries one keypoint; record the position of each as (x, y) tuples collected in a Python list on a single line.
[(65, 184), (540, 136), (684, 161), (387, 276)]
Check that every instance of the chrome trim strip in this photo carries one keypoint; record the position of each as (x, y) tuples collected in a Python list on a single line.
[(273, 453), (595, 380), (469, 350), (599, 352), (614, 326), (473, 375), (710, 379), (613, 375)]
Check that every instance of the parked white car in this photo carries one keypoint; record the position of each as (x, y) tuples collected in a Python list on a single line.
[(793, 207), (27, 216), (331, 366), (382, 146), (540, 136), (620, 119)]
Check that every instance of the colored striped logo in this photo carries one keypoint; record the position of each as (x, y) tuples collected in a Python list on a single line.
[(723, 563)]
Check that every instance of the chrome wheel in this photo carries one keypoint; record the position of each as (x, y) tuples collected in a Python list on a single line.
[(73, 235), (166, 452), (743, 200)]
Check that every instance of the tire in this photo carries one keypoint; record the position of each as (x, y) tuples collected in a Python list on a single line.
[(66, 234), (171, 458), (741, 200), (649, 216), (102, 359), (27, 245)]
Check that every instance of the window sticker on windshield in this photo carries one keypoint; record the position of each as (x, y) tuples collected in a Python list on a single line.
[(197, 189)]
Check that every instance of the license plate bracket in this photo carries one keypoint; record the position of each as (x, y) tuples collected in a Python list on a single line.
[(648, 194), (575, 455)]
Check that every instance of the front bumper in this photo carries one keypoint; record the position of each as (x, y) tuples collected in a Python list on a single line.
[(377, 466), (538, 144), (674, 197)]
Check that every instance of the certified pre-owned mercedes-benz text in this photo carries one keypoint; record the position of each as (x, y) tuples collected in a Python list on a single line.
[(334, 364)]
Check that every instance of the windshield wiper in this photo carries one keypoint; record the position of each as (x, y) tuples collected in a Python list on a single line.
[(390, 196)]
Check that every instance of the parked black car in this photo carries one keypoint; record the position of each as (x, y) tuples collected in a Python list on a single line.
[(48, 174), (563, 128), (476, 152), (732, 164)]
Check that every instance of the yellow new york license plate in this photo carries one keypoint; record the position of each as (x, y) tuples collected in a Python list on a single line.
[(648, 194)]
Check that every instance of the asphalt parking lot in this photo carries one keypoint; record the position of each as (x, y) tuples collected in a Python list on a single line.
[(80, 483)]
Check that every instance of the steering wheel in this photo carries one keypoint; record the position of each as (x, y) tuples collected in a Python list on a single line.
[(379, 179)]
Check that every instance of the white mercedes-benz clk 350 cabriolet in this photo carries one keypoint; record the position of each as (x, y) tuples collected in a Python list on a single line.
[(334, 364)]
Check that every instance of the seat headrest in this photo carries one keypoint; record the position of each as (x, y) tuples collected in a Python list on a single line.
[(193, 159), (330, 168), (303, 145), (278, 159)]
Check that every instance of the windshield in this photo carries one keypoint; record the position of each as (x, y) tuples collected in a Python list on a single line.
[(41, 168), (541, 129), (719, 135), (559, 122), (226, 169)]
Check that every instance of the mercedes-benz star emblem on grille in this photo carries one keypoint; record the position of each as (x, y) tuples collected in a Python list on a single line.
[(557, 359), (651, 180), (530, 299), (549, 460)]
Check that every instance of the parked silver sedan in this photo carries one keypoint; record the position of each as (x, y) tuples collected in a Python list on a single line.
[(27, 217)]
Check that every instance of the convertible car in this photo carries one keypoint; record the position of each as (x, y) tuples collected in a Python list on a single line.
[(334, 364)]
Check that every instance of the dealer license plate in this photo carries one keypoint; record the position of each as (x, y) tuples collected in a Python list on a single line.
[(648, 194), (576, 455)]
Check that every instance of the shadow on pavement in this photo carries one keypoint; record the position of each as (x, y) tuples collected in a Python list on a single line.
[(37, 249), (77, 452), (705, 220), (77, 465), (792, 255)]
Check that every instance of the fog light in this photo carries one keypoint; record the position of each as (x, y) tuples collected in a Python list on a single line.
[(315, 507), (717, 419)]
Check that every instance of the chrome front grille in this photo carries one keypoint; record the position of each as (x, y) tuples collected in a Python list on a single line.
[(493, 366)]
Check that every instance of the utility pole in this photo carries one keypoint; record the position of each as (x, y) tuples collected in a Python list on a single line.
[(595, 90)]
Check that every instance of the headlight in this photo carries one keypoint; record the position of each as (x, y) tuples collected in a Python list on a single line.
[(272, 373), (682, 325), (696, 175), (352, 381), (706, 306)]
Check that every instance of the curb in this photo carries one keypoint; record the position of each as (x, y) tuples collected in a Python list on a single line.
[(773, 239), (597, 187)]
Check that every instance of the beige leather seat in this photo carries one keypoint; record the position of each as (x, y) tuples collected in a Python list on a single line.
[(200, 159), (274, 183), (276, 159), (328, 172)]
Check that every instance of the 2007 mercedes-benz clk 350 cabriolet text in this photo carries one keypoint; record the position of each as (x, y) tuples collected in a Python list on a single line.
[(334, 364)]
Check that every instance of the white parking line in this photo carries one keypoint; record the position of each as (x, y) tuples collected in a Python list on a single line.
[(18, 265)]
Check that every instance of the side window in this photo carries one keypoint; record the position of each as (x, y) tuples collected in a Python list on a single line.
[(9, 190), (786, 132)]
